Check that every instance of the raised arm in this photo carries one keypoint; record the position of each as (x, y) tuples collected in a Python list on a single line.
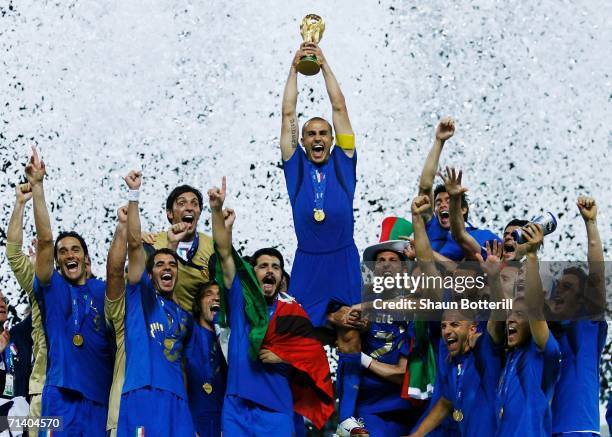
[(422, 247), (115, 263), (222, 223), (136, 254), (19, 261), (534, 294), (452, 183), (444, 130), (595, 290), (492, 268), (340, 117), (289, 124), (35, 173)]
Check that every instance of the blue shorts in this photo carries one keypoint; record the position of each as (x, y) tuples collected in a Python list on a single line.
[(159, 412), (81, 416), (320, 281), (244, 418), (208, 424)]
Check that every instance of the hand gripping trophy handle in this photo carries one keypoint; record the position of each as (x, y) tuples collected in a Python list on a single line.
[(312, 29)]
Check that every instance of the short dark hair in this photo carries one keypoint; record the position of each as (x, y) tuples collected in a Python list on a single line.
[(270, 251), (196, 309), (464, 200), (72, 234), (151, 259), (287, 278), (516, 222), (579, 273), (331, 130), (182, 189)]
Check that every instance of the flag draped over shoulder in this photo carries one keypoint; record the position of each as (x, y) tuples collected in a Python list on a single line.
[(255, 305), (421, 368), (291, 336)]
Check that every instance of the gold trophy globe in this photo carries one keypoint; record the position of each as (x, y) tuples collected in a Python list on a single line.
[(312, 29)]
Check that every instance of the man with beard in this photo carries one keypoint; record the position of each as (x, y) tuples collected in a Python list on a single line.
[(575, 406), (321, 186), (533, 364), (23, 269), (469, 362), (79, 362), (184, 205), (205, 366), (155, 332), (386, 349), (271, 338), (445, 245)]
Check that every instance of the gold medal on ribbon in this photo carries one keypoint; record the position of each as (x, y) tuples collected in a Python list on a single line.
[(207, 388), (319, 215), (77, 340), (457, 416)]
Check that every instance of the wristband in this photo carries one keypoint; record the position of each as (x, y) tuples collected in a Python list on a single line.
[(133, 195), (366, 360), (346, 141)]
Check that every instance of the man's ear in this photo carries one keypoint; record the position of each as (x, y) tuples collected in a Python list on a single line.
[(169, 215)]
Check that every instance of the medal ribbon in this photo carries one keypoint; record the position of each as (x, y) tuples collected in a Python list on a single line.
[(77, 321), (170, 325), (502, 387), (319, 181), (458, 385), (194, 247)]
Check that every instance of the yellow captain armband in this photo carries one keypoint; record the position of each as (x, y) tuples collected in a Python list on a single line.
[(346, 141)]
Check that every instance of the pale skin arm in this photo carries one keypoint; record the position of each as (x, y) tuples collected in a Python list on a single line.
[(452, 182), (14, 233), (289, 124), (35, 173), (492, 267), (422, 246), (534, 294), (434, 418), (136, 254), (391, 372), (595, 292), (444, 130), (340, 117), (115, 263), (222, 222)]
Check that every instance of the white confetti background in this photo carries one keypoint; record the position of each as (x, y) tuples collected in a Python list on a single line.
[(191, 90)]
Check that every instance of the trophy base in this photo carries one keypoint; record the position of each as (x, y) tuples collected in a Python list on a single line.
[(308, 66)]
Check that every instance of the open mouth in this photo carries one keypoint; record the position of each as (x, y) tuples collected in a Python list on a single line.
[(268, 284), (512, 332), (72, 266), (318, 150), (509, 248), (451, 341), (215, 308), (444, 215), (188, 218)]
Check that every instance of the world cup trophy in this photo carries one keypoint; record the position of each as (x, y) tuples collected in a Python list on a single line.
[(312, 29)]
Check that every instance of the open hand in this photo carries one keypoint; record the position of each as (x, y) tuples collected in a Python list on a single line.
[(452, 182)]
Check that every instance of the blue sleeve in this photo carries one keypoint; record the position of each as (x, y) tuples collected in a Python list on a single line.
[(294, 172), (487, 358), (54, 296), (609, 414), (347, 167), (552, 364), (235, 301)]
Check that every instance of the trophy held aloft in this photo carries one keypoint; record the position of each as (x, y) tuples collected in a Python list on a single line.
[(312, 29)]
